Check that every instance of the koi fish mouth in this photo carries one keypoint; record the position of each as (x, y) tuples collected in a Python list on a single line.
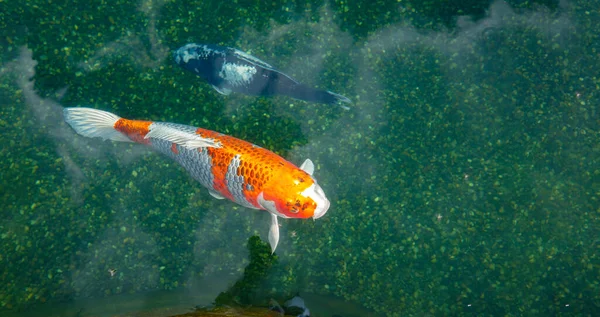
[(315, 192)]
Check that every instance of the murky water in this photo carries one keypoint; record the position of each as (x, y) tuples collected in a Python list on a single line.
[(463, 179)]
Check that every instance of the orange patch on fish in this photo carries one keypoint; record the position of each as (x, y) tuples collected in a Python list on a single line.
[(256, 164), (220, 163), (285, 195), (174, 148), (136, 130)]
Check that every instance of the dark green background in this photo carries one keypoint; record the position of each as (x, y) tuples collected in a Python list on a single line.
[(464, 180)]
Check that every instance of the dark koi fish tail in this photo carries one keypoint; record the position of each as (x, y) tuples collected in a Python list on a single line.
[(310, 94)]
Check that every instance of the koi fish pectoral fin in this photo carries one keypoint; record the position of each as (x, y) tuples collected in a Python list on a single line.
[(222, 90), (274, 233), (183, 138), (308, 167), (274, 228), (215, 194)]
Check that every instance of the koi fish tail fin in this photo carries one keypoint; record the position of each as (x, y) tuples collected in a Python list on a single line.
[(92, 123), (306, 93), (339, 100)]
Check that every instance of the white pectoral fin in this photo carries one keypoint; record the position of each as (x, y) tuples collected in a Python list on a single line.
[(308, 167), (274, 228), (215, 194), (183, 138), (222, 91), (274, 233), (266, 204)]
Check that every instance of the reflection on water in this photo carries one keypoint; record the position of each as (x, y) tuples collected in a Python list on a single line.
[(462, 180)]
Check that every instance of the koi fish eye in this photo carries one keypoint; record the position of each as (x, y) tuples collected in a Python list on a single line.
[(299, 181)]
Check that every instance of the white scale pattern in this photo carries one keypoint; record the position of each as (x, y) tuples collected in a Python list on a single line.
[(236, 74), (197, 161), (235, 182), (194, 51)]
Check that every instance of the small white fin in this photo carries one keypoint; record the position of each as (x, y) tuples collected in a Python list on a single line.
[(186, 139), (273, 233), (269, 206), (215, 194), (92, 123), (222, 91), (308, 166)]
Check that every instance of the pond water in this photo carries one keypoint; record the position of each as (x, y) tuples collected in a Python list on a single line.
[(463, 177)]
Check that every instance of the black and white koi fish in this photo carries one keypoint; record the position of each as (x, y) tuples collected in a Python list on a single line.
[(231, 70)]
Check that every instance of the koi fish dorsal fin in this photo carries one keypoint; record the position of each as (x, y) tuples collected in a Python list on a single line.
[(308, 167), (181, 137), (251, 58), (91, 123)]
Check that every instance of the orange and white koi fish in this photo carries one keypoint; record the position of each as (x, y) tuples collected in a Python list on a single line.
[(228, 167)]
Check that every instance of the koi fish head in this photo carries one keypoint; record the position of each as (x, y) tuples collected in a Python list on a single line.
[(295, 195)]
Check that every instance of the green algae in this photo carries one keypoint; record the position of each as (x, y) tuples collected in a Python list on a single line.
[(463, 183), (243, 292)]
